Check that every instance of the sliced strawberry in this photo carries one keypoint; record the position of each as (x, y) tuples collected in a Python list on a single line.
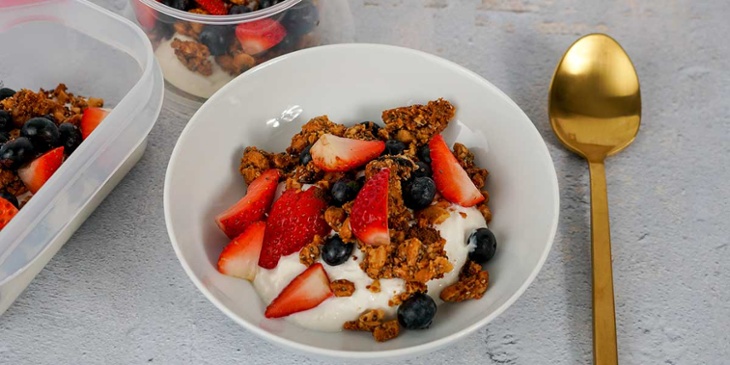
[(91, 119), (259, 35), (36, 173), (7, 212), (369, 215), (240, 258), (451, 180), (252, 206), (294, 220), (306, 291), (213, 7), (332, 153), (146, 16)]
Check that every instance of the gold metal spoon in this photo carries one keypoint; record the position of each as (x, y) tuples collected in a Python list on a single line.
[(595, 110)]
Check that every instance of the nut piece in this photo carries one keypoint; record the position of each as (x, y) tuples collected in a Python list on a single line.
[(472, 284), (374, 286), (422, 121), (386, 331), (342, 288), (193, 55), (309, 253), (311, 132), (335, 217), (368, 321), (432, 215)]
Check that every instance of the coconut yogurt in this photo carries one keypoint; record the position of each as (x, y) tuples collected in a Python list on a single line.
[(331, 314)]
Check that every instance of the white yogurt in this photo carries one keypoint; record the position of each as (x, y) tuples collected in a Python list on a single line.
[(179, 76), (331, 314)]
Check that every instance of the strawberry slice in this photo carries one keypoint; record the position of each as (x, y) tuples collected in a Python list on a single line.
[(308, 290), (240, 258), (336, 154), (259, 35), (7, 212), (91, 119), (36, 173), (213, 7), (451, 180), (295, 218), (369, 215), (146, 16), (252, 206)]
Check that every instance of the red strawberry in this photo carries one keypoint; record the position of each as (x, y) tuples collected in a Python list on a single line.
[(369, 215), (146, 16), (213, 7), (451, 180), (294, 220), (7, 212), (36, 173), (332, 153), (251, 207), (91, 119), (259, 35), (241, 257), (306, 291)]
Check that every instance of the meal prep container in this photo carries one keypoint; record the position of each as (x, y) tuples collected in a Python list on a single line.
[(95, 53)]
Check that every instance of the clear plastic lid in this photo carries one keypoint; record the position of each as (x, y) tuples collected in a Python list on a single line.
[(95, 53)]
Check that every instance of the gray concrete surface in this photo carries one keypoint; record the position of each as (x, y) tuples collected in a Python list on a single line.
[(116, 294)]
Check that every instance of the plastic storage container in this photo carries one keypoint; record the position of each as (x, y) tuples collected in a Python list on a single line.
[(220, 47), (95, 53)]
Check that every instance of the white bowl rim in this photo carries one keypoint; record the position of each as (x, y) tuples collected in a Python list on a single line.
[(307, 349)]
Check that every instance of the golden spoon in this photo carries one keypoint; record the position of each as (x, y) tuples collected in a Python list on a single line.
[(595, 110)]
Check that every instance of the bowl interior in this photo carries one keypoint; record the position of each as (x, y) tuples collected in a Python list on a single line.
[(353, 83)]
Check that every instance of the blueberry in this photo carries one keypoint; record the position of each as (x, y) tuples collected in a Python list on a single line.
[(10, 197), (6, 93), (335, 251), (217, 38), (393, 147), (301, 19), (239, 9), (418, 193), (372, 126), (70, 137), (17, 152), (423, 170), (6, 121), (305, 156), (42, 132), (417, 312), (424, 154), (483, 245), (183, 5), (344, 190)]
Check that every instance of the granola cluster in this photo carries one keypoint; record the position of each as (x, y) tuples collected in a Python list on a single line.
[(416, 251)]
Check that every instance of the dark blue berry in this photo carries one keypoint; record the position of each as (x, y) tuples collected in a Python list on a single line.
[(301, 19), (393, 147), (483, 245), (372, 126), (217, 38), (6, 121), (423, 170), (70, 137), (183, 5), (17, 152), (239, 9), (305, 156), (335, 251), (10, 197), (424, 154), (6, 93), (418, 193), (344, 190), (417, 312), (42, 132)]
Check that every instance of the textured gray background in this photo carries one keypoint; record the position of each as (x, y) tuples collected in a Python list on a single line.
[(116, 294)]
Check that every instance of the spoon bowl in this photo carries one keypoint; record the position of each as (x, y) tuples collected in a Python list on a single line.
[(595, 111)]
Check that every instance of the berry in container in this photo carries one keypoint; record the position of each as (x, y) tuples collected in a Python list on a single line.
[(71, 158), (203, 44)]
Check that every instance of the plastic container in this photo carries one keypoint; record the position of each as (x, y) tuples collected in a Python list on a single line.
[(95, 53), (305, 23)]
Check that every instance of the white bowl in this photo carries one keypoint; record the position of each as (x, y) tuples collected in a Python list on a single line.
[(351, 83)]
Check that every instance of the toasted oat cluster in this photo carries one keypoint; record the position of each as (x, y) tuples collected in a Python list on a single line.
[(381, 194)]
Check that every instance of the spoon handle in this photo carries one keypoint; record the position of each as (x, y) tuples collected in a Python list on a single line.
[(604, 317)]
